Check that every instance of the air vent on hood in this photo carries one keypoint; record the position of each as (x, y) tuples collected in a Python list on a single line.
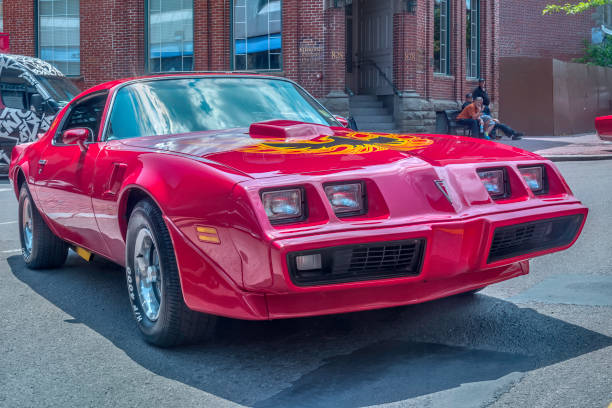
[(287, 129)]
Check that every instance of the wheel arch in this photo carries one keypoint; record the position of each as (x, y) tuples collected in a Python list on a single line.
[(132, 195)]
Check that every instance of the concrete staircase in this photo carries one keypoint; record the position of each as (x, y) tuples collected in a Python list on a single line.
[(370, 114)]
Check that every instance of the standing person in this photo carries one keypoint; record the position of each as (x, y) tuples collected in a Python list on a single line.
[(468, 101), (480, 92), (471, 116)]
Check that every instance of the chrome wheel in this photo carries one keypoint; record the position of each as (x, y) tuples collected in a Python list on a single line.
[(26, 225), (147, 274)]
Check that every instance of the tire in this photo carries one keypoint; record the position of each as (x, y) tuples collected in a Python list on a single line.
[(41, 248), (154, 286)]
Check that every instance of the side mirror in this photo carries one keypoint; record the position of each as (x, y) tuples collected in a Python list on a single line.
[(36, 101), (343, 121), (77, 136)]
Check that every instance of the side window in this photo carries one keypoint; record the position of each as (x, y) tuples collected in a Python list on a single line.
[(13, 89), (86, 113)]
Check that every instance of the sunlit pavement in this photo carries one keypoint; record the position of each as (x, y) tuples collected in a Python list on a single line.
[(565, 148), (544, 340)]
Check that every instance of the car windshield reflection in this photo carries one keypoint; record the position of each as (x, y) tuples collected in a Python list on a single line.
[(186, 105)]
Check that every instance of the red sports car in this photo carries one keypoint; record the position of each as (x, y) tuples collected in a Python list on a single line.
[(242, 196), (603, 125)]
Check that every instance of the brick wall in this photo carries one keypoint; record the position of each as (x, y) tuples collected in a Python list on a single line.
[(19, 22), (525, 32)]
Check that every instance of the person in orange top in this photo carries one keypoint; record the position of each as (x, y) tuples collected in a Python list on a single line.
[(471, 116)]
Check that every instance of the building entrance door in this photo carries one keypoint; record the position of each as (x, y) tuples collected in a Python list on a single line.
[(375, 55)]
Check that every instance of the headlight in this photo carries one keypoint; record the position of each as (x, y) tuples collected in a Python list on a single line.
[(284, 206), (495, 182), (534, 177), (346, 199)]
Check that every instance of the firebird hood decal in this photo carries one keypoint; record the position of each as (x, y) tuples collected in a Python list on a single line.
[(341, 150), (349, 143)]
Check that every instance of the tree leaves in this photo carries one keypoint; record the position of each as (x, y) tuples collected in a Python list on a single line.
[(574, 8)]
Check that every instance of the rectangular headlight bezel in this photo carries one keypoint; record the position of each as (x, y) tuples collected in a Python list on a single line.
[(349, 213), (286, 219), (506, 182), (544, 178)]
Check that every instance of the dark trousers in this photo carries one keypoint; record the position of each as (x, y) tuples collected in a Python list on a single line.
[(508, 131), (473, 124)]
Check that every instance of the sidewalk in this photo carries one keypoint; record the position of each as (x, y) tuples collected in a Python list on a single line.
[(565, 148)]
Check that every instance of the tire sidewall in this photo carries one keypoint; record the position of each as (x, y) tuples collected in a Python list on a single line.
[(140, 218), (24, 195)]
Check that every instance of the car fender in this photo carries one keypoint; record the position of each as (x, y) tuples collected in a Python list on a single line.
[(175, 184)]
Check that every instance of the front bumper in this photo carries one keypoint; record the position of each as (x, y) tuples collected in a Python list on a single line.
[(456, 259)]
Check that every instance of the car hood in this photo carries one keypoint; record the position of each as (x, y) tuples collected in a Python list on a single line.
[(320, 149)]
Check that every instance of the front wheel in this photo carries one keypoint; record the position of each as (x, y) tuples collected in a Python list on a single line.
[(154, 286), (41, 249)]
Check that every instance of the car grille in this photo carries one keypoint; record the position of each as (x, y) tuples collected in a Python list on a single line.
[(361, 262), (521, 239)]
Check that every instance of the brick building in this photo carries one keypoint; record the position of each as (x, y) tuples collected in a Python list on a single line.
[(392, 63), (528, 33)]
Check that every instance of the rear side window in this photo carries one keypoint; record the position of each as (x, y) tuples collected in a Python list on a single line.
[(14, 90), (14, 99)]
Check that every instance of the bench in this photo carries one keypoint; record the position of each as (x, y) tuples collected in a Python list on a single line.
[(453, 127)]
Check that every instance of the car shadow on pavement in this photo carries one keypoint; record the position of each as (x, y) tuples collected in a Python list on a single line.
[(472, 346)]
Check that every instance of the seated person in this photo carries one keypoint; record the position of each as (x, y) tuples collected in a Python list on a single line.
[(471, 116), (468, 101)]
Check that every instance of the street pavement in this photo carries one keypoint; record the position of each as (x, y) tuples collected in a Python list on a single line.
[(565, 148), (67, 338)]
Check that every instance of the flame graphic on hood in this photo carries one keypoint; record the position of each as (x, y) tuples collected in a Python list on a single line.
[(348, 143)]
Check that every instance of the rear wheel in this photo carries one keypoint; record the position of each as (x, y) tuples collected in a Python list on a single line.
[(41, 249), (154, 286)]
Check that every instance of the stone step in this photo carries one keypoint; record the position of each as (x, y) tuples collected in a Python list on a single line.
[(365, 104), (374, 127), (368, 111), (363, 98), (373, 118)]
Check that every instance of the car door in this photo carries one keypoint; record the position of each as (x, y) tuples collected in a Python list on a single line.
[(65, 175)]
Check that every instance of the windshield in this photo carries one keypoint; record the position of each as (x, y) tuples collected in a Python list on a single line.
[(61, 89), (185, 105)]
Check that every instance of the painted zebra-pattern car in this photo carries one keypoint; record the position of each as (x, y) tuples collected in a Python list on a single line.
[(32, 91)]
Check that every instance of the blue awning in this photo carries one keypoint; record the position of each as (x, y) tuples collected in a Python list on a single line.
[(258, 44), (60, 54), (169, 50)]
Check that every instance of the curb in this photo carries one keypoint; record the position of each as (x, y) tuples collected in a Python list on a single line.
[(578, 157)]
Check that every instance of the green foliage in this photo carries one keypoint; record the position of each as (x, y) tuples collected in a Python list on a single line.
[(597, 54), (575, 8)]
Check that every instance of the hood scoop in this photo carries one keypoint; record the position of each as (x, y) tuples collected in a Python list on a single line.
[(287, 130)]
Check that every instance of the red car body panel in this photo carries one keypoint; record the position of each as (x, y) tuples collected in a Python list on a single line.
[(603, 125), (200, 181)]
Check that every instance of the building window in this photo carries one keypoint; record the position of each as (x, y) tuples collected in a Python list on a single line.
[(441, 37), (473, 38), (256, 26), (1, 17), (607, 16), (59, 34), (170, 28)]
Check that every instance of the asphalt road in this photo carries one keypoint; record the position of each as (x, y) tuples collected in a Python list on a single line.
[(67, 339)]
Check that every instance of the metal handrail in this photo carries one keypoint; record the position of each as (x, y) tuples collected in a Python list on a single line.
[(382, 73)]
